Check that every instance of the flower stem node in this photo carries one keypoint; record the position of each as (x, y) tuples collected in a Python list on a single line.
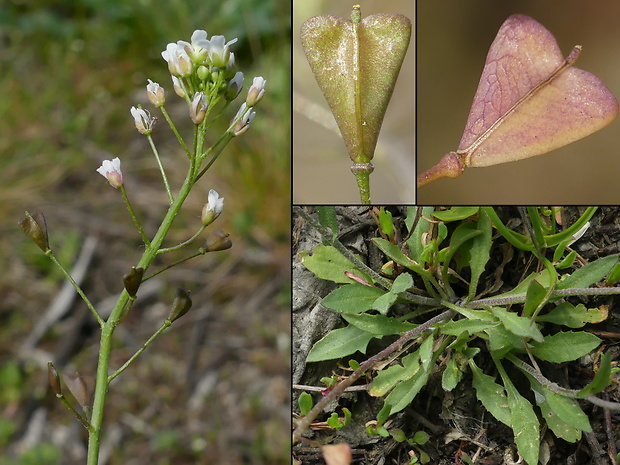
[(217, 240), (256, 91), (198, 108), (111, 170), (180, 306), (54, 379), (35, 228), (132, 280), (155, 94), (212, 208), (143, 120)]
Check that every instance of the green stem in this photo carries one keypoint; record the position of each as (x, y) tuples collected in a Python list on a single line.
[(362, 176), (101, 386), (161, 168), (76, 286), (134, 217), (176, 133), (166, 324)]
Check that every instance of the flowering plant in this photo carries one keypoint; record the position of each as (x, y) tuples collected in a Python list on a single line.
[(204, 75)]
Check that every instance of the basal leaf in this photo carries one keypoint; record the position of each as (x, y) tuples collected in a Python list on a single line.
[(567, 314), (339, 343), (565, 346), (517, 325), (327, 263), (490, 394), (352, 298), (378, 325)]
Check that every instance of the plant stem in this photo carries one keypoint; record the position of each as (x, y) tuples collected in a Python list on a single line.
[(101, 386), (362, 176)]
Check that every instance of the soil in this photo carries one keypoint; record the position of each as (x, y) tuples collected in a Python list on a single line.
[(456, 421)]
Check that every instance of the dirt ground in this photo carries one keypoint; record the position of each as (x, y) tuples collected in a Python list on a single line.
[(456, 421)]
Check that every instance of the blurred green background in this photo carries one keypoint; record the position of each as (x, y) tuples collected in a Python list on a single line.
[(71, 70), (322, 168), (452, 44)]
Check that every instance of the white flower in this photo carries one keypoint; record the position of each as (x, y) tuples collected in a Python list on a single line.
[(155, 93), (244, 123), (212, 208), (111, 170), (198, 108), (219, 52), (194, 50), (143, 120), (179, 62), (256, 91)]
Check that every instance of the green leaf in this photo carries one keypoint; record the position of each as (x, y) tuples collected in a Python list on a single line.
[(479, 252), (339, 343), (601, 379), (589, 274), (524, 422), (563, 415), (327, 263), (402, 283), (426, 352), (490, 394), (560, 428), (567, 314), (385, 221), (393, 252), (402, 395), (502, 341), (534, 296), (356, 64), (456, 213), (391, 376), (567, 410), (458, 327), (518, 325), (305, 403), (378, 325), (352, 298), (451, 375), (415, 242), (565, 346), (384, 303)]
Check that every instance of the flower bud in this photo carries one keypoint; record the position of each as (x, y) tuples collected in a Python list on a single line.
[(212, 208), (256, 91), (180, 306), (143, 120), (155, 94), (35, 228), (132, 280), (243, 124), (217, 240), (111, 170), (178, 88), (234, 87), (198, 108), (203, 73), (54, 379)]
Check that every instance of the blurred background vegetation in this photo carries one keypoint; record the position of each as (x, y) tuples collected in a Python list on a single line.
[(215, 387)]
